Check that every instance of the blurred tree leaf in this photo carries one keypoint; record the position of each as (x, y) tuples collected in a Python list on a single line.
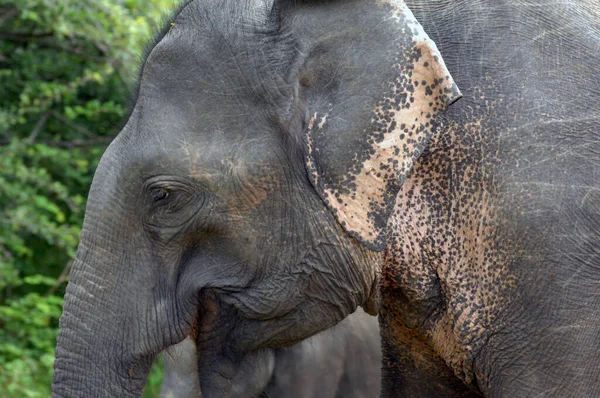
[(66, 70)]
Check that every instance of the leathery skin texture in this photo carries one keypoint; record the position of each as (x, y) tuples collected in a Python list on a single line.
[(208, 215), (488, 282), (287, 162), (417, 90)]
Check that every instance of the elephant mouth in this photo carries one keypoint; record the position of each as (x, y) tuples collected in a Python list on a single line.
[(207, 316), (218, 353)]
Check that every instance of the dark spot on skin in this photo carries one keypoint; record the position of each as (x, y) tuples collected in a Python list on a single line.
[(443, 218)]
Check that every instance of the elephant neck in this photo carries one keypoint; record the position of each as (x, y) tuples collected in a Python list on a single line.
[(445, 281)]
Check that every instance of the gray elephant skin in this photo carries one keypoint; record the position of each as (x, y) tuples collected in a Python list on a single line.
[(287, 162), (343, 361)]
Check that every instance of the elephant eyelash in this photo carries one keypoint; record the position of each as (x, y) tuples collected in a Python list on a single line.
[(161, 192), (159, 195), (169, 201)]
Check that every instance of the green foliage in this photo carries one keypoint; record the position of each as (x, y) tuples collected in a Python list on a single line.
[(154, 381), (66, 69)]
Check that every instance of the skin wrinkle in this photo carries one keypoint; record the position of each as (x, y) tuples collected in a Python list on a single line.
[(251, 210), (446, 212)]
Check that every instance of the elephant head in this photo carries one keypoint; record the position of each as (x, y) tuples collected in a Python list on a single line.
[(244, 202)]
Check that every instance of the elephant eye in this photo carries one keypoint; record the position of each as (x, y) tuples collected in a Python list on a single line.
[(168, 196), (159, 195), (171, 203)]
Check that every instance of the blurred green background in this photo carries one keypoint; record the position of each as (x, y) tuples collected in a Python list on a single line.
[(67, 68)]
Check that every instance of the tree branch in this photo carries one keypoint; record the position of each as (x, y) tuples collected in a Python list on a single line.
[(6, 13), (101, 48), (71, 144), (6, 252), (24, 36), (44, 41), (63, 277), (74, 51), (79, 143), (74, 125), (38, 127)]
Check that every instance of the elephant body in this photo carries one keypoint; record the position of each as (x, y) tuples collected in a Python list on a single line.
[(287, 162), (491, 272), (344, 361)]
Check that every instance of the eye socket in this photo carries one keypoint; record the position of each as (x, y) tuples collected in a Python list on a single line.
[(172, 203), (168, 196)]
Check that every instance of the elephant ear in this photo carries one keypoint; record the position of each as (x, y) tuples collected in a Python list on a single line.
[(373, 84)]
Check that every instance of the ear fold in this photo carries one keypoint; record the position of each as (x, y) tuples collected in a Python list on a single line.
[(373, 83)]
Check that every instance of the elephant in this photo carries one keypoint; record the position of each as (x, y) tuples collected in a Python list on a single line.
[(343, 361), (286, 162)]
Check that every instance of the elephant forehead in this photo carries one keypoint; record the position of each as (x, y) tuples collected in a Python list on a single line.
[(210, 158), (225, 163)]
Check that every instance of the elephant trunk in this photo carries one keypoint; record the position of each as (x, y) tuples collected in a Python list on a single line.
[(115, 315), (94, 354), (121, 305)]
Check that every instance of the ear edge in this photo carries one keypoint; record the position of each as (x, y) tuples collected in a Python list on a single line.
[(373, 232)]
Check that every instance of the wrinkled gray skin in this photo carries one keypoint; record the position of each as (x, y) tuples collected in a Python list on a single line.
[(493, 270), (201, 219), (343, 361), (278, 161)]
